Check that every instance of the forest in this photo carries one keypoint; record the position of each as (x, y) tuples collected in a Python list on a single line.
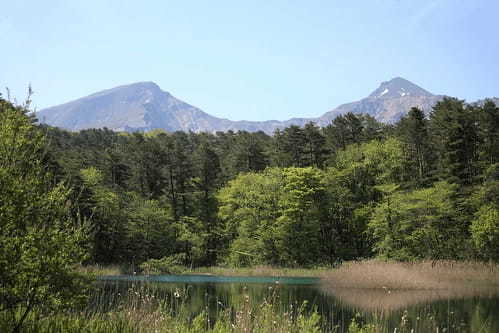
[(423, 188)]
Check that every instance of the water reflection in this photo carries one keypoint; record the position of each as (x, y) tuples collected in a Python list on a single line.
[(385, 300), (464, 310)]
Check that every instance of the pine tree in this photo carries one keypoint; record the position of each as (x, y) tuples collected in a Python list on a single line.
[(454, 137), (488, 131), (413, 130)]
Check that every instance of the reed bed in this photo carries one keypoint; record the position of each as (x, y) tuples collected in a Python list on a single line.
[(380, 292), (386, 301), (388, 286), (101, 270), (424, 275), (145, 308), (260, 271)]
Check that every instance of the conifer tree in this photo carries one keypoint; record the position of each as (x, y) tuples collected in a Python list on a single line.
[(413, 130)]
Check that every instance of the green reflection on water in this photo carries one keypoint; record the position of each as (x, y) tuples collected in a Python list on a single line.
[(215, 294), (213, 279)]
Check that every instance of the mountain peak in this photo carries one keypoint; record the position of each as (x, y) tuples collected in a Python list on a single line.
[(399, 87), (143, 106), (143, 84), (138, 86), (139, 91)]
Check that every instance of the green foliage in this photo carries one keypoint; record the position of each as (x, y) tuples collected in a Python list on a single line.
[(414, 132), (272, 217), (485, 232), (165, 265), (106, 216), (352, 187), (192, 239), (39, 240), (485, 224), (142, 311), (357, 327), (455, 139), (488, 130), (150, 229), (289, 147), (351, 190), (418, 224), (298, 226), (349, 129), (212, 197), (249, 206), (377, 162)]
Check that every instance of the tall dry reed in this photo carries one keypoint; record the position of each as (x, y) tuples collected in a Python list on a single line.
[(424, 275)]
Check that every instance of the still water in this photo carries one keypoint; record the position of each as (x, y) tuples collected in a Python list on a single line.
[(422, 311)]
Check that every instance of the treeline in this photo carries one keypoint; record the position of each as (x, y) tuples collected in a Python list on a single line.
[(423, 188)]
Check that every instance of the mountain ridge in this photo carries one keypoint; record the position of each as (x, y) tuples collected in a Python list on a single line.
[(143, 106)]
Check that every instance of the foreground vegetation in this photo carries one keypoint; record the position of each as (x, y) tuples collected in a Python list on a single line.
[(143, 312), (142, 308)]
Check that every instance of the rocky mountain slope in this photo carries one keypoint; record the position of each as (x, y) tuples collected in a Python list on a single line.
[(388, 103), (144, 106)]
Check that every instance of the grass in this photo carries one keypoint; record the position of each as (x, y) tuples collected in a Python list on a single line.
[(424, 275), (100, 270), (139, 311), (386, 286), (260, 271), (378, 285), (368, 274)]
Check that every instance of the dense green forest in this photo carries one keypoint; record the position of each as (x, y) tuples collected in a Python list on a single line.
[(423, 188)]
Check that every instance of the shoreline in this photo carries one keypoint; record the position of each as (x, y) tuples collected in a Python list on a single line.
[(369, 274)]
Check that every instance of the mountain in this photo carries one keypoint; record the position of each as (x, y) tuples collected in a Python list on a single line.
[(143, 106), (482, 101), (388, 103)]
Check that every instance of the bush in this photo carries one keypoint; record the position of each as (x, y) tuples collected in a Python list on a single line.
[(166, 265)]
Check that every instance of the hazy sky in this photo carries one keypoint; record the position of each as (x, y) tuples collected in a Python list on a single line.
[(252, 60)]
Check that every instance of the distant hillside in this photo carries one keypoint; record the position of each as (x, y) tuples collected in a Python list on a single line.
[(144, 106), (388, 103)]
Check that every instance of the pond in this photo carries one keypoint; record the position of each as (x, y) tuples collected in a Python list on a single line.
[(423, 311)]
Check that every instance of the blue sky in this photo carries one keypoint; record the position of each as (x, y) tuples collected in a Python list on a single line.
[(254, 60)]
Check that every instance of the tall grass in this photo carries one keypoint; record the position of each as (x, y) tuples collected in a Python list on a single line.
[(382, 292), (141, 310), (386, 286), (260, 271), (424, 275), (146, 308), (101, 270)]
